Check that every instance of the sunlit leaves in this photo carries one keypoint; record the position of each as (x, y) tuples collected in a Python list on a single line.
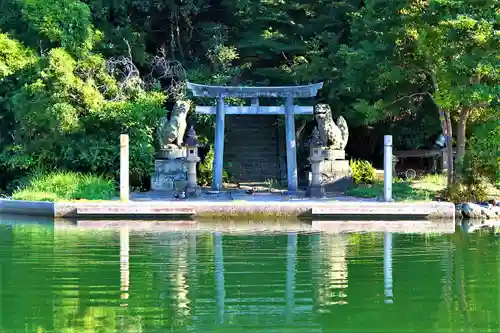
[(13, 56), (67, 23)]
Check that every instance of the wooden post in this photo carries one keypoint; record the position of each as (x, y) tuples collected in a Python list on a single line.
[(218, 145), (124, 168), (291, 149)]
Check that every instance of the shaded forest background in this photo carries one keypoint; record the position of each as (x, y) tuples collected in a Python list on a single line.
[(74, 74)]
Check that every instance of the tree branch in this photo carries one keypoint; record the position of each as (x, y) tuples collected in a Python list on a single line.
[(129, 49), (409, 96)]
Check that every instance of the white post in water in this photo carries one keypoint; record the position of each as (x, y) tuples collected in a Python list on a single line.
[(387, 167), (124, 168)]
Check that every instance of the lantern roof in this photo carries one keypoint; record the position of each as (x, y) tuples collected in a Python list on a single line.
[(191, 140)]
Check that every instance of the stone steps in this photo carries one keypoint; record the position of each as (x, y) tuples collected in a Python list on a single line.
[(251, 148)]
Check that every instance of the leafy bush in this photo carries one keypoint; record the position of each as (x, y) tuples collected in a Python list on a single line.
[(462, 192), (481, 164), (206, 169), (483, 155), (60, 186), (13, 56), (362, 171), (69, 115)]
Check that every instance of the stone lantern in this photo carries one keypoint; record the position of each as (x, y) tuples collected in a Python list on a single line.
[(192, 158), (315, 188)]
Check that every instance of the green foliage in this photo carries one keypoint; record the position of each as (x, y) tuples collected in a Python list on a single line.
[(362, 171), (65, 186), (481, 165), (468, 190), (64, 23), (457, 42), (206, 168), (483, 155), (387, 66), (69, 116), (400, 192), (13, 56)]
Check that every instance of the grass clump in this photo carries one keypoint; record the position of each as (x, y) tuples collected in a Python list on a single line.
[(65, 186), (423, 189)]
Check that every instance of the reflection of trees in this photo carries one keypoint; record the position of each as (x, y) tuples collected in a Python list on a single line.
[(477, 290), (25, 280), (73, 281), (87, 294)]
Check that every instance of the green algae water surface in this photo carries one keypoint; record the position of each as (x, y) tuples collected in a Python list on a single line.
[(119, 280)]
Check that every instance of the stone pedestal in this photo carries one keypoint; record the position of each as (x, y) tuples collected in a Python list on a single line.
[(169, 175), (172, 152), (334, 154), (315, 191), (336, 174)]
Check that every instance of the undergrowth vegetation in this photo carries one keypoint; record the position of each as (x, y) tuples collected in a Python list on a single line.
[(65, 186)]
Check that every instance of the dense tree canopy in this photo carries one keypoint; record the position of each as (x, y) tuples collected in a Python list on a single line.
[(74, 73)]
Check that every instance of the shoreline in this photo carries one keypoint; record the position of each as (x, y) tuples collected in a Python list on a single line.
[(236, 209)]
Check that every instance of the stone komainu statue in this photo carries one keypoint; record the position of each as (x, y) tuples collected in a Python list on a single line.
[(334, 135), (171, 132)]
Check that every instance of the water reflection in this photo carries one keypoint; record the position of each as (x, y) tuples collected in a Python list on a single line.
[(388, 267), (124, 264), (330, 257), (220, 292), (127, 280), (291, 259)]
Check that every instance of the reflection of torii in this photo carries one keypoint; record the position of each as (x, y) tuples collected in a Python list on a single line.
[(220, 293)]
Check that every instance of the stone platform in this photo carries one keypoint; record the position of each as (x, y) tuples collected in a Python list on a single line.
[(238, 205)]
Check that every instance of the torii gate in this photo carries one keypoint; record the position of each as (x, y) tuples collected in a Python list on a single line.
[(253, 93)]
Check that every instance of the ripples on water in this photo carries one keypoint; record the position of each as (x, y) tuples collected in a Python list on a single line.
[(121, 280)]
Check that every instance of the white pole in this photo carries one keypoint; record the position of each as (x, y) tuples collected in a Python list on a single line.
[(124, 168), (388, 167)]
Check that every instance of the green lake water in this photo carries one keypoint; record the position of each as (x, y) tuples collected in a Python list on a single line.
[(121, 280)]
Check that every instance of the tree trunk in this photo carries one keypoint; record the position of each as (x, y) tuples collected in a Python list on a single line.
[(449, 147), (444, 117), (300, 129), (461, 135)]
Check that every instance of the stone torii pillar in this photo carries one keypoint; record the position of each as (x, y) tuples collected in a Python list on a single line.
[(254, 93)]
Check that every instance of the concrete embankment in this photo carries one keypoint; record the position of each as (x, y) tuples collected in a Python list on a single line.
[(236, 209)]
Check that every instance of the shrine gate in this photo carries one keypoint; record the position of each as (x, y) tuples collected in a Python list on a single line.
[(254, 93)]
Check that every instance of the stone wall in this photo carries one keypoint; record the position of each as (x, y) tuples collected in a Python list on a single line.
[(336, 175), (169, 175)]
